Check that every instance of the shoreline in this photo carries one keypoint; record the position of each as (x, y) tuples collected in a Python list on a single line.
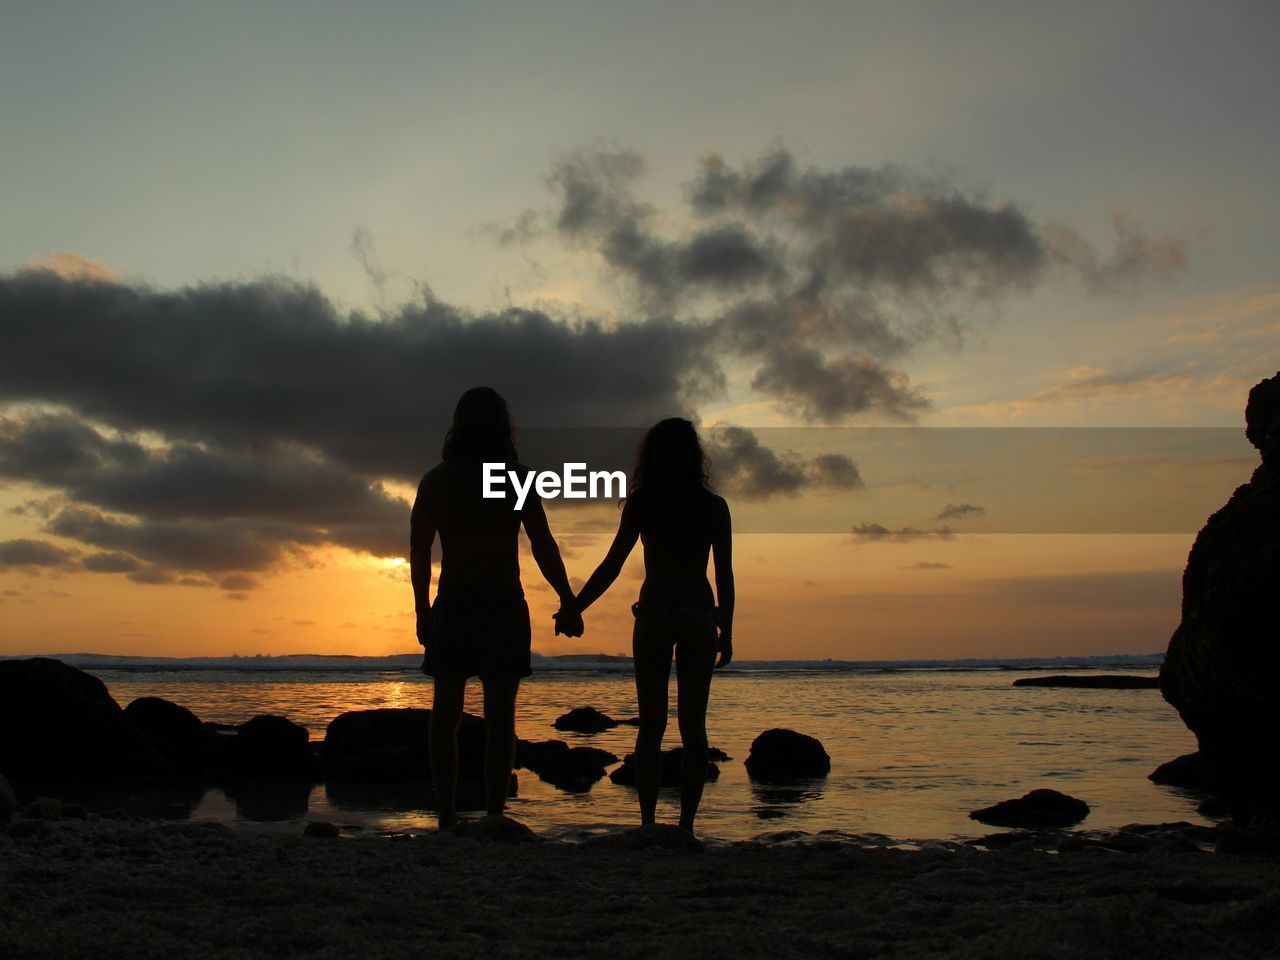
[(145, 888)]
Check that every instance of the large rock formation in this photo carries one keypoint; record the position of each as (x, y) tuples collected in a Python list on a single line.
[(175, 732), (781, 755), (57, 722), (392, 745), (273, 746), (1225, 655)]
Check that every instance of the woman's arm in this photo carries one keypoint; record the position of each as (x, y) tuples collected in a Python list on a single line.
[(422, 535), (623, 543), (722, 553)]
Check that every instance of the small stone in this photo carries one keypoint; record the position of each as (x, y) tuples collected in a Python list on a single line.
[(321, 828), (43, 808), (1039, 808)]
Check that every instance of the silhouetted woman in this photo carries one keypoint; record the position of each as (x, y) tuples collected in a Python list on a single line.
[(479, 623), (673, 510)]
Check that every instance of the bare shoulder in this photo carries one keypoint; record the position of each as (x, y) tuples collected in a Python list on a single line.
[(434, 477)]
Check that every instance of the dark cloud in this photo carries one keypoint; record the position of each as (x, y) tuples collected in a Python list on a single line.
[(211, 432), (34, 553), (867, 532), (194, 508), (237, 582), (961, 511), (928, 565), (822, 279), (743, 466), (242, 365), (111, 562)]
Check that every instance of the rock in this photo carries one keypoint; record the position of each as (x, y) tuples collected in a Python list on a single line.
[(322, 829), (1219, 669), (175, 732), (393, 746), (495, 828), (1191, 771), (1105, 681), (659, 835), (574, 769), (780, 754), (585, 720), (672, 760), (43, 808), (8, 804), (273, 746), (1039, 808), (60, 723), (388, 745)]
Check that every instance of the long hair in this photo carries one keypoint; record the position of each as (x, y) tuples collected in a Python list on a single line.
[(671, 460), (482, 429)]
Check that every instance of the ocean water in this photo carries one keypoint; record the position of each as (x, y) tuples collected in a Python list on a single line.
[(913, 748)]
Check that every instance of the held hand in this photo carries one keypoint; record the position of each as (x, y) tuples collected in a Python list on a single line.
[(568, 622), (724, 644), (422, 630)]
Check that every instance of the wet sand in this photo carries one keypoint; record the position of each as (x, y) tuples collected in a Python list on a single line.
[(103, 888)]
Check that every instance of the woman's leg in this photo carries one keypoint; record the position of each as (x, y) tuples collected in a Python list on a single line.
[(651, 656), (695, 660), (446, 711), (500, 744)]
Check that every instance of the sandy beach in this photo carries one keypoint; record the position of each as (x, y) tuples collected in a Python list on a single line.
[(105, 888)]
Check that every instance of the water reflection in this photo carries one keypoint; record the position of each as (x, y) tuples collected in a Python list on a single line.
[(270, 799), (776, 800)]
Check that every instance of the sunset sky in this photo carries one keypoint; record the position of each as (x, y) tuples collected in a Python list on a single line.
[(252, 253)]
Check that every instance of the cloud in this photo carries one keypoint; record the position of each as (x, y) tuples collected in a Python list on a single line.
[(220, 430), (34, 553), (741, 465), (72, 266), (928, 565), (111, 562), (868, 532), (823, 279), (961, 511), (194, 507), (1137, 257)]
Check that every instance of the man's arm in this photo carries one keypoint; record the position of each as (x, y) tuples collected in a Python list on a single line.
[(546, 552)]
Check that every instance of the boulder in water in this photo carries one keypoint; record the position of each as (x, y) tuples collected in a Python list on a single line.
[(1190, 771), (1039, 808), (780, 754), (585, 720), (573, 769), (1222, 659), (392, 745), (273, 746), (175, 732), (60, 723), (1103, 681), (672, 760)]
